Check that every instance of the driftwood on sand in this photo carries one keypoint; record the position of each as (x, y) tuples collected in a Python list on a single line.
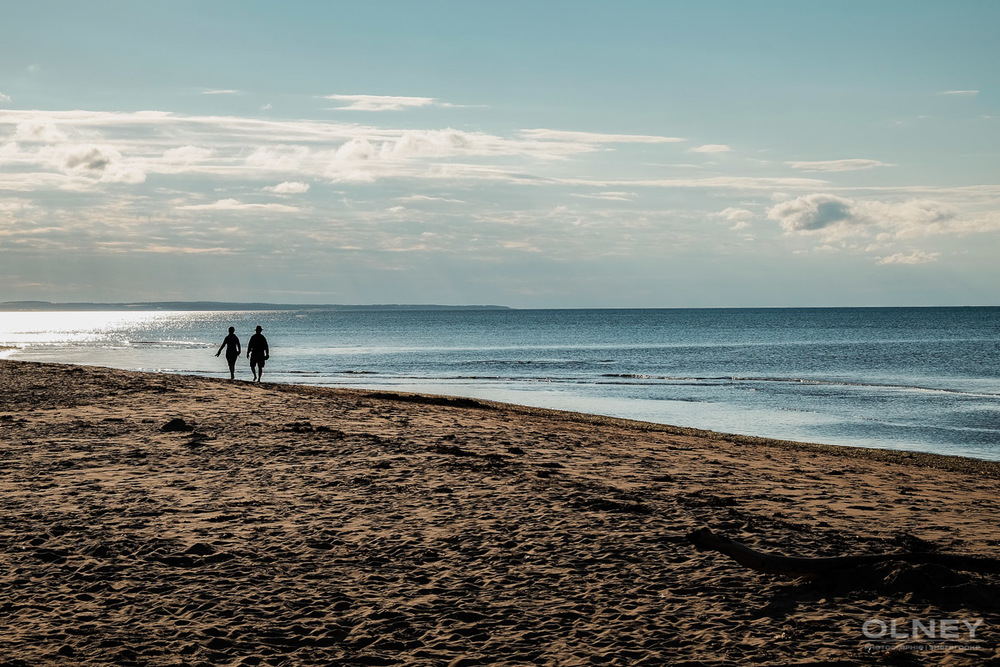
[(704, 539)]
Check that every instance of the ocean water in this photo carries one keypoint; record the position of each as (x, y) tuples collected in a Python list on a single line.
[(921, 379)]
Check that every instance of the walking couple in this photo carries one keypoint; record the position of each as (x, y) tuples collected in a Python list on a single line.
[(257, 352)]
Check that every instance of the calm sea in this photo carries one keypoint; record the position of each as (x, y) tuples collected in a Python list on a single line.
[(923, 379)]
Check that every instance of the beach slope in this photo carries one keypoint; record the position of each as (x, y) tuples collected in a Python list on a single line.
[(156, 519)]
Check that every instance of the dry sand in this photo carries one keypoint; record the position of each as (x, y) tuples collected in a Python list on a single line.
[(303, 526)]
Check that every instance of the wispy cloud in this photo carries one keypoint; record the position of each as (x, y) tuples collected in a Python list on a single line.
[(596, 137), (379, 102), (220, 91), (711, 148), (288, 188), (182, 250), (959, 93), (915, 257), (38, 131), (748, 183), (740, 217), (854, 164), (187, 154), (87, 148), (428, 198), (4, 98), (235, 205), (162, 182), (609, 196), (734, 214)]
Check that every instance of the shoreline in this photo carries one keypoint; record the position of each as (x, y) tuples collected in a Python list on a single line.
[(950, 462), (774, 386), (955, 462), (294, 524)]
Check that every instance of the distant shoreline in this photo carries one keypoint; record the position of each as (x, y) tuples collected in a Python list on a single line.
[(45, 306), (207, 306)]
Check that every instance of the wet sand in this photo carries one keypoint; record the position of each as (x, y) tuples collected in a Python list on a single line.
[(173, 520)]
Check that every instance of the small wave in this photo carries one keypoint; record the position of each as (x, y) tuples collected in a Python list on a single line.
[(668, 378), (359, 372), (867, 385), (528, 362), (170, 343), (511, 379), (625, 383), (793, 380)]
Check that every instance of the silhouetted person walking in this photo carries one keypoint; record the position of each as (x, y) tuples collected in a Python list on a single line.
[(232, 345), (257, 353)]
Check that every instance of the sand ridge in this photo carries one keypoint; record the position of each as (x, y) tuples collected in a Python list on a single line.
[(287, 525)]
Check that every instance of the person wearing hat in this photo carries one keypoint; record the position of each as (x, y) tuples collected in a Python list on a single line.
[(257, 353)]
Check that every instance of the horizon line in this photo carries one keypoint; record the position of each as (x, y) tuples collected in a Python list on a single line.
[(236, 306)]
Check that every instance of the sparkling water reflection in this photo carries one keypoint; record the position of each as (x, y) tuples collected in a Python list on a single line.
[(920, 379)]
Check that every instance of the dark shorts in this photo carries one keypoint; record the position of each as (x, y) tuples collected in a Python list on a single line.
[(257, 361)]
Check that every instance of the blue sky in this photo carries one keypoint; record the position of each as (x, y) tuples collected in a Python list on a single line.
[(542, 154)]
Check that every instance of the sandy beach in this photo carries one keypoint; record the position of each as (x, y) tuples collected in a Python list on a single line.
[(174, 520)]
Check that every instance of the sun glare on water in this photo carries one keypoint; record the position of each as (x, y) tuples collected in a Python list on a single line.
[(60, 328)]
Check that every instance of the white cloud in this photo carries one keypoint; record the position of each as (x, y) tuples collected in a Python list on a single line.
[(734, 214), (187, 154), (214, 91), (235, 205), (41, 131), (28, 182), (837, 218), (4, 98), (814, 212), (83, 150), (440, 143), (609, 196), (523, 246), (288, 188), (103, 163), (711, 148), (596, 137), (155, 142), (959, 93), (853, 164), (379, 102), (426, 198), (915, 257), (720, 182), (88, 158), (280, 157), (740, 217), (181, 250)]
